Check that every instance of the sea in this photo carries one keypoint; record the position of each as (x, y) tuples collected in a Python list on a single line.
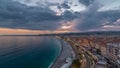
[(28, 51)]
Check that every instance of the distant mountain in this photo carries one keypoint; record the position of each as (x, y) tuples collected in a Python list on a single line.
[(85, 33)]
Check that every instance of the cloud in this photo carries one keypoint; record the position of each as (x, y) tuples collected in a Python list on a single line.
[(93, 19), (86, 2), (38, 15), (16, 15), (65, 5)]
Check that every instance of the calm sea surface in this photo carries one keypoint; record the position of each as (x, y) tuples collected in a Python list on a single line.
[(28, 51)]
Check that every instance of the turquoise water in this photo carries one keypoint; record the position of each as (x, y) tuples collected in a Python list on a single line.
[(28, 51)]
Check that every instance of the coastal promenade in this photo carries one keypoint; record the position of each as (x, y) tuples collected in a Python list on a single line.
[(89, 48), (66, 52), (86, 59)]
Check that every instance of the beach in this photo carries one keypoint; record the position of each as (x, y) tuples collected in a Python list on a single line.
[(66, 56)]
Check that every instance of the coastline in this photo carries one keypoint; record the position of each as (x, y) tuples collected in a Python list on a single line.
[(61, 49), (67, 53)]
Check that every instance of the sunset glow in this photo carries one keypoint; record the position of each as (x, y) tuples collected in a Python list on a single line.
[(66, 27), (38, 33), (8, 31), (53, 16)]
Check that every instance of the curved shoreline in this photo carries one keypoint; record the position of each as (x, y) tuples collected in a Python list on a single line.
[(66, 52), (61, 49)]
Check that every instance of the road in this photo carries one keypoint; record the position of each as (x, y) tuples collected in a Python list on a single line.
[(87, 60)]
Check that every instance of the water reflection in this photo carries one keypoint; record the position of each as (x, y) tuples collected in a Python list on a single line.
[(27, 52)]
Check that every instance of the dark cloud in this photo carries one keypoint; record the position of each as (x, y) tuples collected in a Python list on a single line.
[(65, 5), (93, 19), (68, 15), (15, 15), (86, 2)]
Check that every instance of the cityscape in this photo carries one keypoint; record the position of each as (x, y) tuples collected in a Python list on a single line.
[(104, 51), (59, 33), (94, 50)]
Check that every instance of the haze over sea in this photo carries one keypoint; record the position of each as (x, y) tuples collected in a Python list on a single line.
[(28, 51)]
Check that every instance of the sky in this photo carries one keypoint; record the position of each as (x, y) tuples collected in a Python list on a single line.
[(41, 16)]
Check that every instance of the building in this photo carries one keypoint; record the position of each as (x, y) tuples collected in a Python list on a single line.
[(113, 52)]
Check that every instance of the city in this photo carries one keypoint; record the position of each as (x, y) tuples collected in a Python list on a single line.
[(59, 33), (95, 51)]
